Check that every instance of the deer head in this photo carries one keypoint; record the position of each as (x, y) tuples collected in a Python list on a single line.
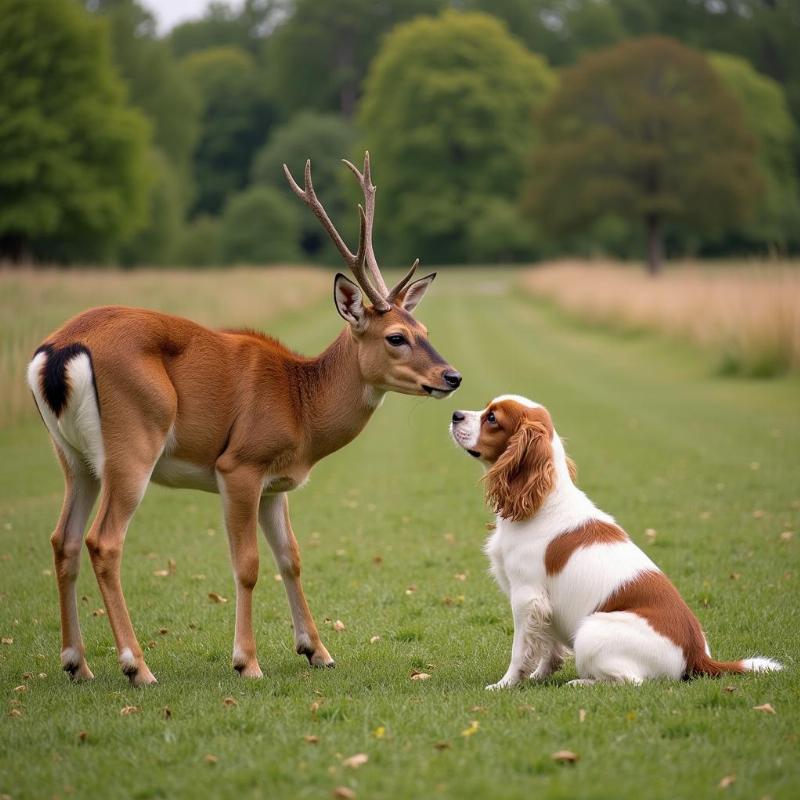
[(394, 352)]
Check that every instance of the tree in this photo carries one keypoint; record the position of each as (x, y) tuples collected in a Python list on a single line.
[(236, 119), (73, 179), (319, 56), (646, 130), (327, 138), (777, 220), (260, 226), (447, 109)]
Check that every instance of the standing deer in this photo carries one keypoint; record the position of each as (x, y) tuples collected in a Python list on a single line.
[(131, 396)]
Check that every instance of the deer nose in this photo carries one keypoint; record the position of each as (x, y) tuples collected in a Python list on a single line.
[(458, 416), (452, 378)]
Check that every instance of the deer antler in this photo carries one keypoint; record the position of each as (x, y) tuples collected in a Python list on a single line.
[(364, 256), (402, 283)]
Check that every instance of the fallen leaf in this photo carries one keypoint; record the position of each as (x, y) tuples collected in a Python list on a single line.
[(581, 714), (356, 761), (735, 576), (759, 514), (42, 675), (229, 701), (163, 631), (278, 578), (166, 712), (171, 566), (729, 689), (379, 732), (47, 572), (338, 626), (442, 745), (449, 538), (315, 706), (726, 781), (478, 709), (419, 676), (161, 573), (210, 758), (377, 560), (650, 535), (26, 676), (99, 612), (15, 712), (7, 640), (460, 576), (126, 710), (373, 639), (766, 708), (344, 793), (83, 736), (473, 728), (411, 589), (215, 597), (786, 536), (565, 756), (312, 739), (21, 688)]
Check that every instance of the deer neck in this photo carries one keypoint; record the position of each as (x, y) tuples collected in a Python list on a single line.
[(335, 402)]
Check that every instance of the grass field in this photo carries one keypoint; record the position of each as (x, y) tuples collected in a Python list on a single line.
[(745, 315), (391, 530)]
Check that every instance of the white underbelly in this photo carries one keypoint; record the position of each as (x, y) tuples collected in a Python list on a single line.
[(179, 474)]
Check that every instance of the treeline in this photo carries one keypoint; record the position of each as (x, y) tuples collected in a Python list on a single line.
[(500, 130)]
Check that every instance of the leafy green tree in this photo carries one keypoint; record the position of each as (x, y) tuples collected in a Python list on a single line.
[(318, 57), (646, 130), (260, 226), (73, 177), (767, 114), (198, 243), (447, 109), (326, 138), (236, 118)]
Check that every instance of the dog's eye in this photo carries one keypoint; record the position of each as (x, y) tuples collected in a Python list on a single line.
[(396, 339), (490, 418)]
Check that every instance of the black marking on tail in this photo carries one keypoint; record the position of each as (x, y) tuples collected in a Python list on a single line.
[(55, 387)]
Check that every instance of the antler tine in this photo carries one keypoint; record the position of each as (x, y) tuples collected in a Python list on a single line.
[(365, 181), (354, 261), (402, 283)]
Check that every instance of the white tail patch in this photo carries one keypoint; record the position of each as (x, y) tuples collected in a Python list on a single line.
[(76, 432), (760, 664)]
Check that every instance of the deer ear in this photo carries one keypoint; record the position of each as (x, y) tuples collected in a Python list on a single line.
[(414, 293), (349, 302)]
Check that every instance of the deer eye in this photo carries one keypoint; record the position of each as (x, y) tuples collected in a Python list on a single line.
[(396, 339), (491, 418)]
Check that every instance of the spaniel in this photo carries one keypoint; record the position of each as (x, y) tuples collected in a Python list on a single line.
[(573, 576)]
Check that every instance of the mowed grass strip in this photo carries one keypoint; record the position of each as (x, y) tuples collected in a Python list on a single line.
[(391, 530)]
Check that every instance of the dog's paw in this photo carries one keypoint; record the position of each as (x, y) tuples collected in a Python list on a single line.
[(503, 683)]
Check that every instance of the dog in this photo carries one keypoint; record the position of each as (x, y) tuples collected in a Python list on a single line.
[(573, 576)]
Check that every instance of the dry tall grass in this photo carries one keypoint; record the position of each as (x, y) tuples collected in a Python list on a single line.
[(35, 302), (746, 314)]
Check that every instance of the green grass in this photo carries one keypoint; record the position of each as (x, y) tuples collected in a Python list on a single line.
[(659, 443)]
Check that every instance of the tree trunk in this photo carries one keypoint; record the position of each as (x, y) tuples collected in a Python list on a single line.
[(12, 248), (655, 244)]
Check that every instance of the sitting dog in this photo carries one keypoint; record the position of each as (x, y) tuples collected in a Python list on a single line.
[(573, 576)]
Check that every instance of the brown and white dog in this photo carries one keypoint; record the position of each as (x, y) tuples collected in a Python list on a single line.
[(573, 576)]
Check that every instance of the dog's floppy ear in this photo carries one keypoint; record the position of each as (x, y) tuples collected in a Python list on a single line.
[(523, 476)]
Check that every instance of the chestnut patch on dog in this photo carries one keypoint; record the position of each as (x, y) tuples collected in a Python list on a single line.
[(595, 531)]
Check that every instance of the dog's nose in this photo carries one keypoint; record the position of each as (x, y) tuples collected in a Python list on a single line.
[(458, 416), (452, 378)]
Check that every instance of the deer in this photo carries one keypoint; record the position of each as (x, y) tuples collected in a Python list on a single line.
[(131, 396)]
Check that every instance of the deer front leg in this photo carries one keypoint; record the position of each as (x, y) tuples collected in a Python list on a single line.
[(274, 518), (533, 638), (240, 487)]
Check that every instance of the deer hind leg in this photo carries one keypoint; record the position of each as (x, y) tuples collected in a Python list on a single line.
[(80, 492), (240, 488), (274, 518), (129, 465)]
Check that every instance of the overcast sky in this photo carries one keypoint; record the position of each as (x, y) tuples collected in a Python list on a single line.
[(170, 13)]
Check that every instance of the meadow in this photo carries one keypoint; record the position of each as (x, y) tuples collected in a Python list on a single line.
[(745, 314), (699, 467)]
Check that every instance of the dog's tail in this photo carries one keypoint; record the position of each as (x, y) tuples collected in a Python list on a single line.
[(705, 665)]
